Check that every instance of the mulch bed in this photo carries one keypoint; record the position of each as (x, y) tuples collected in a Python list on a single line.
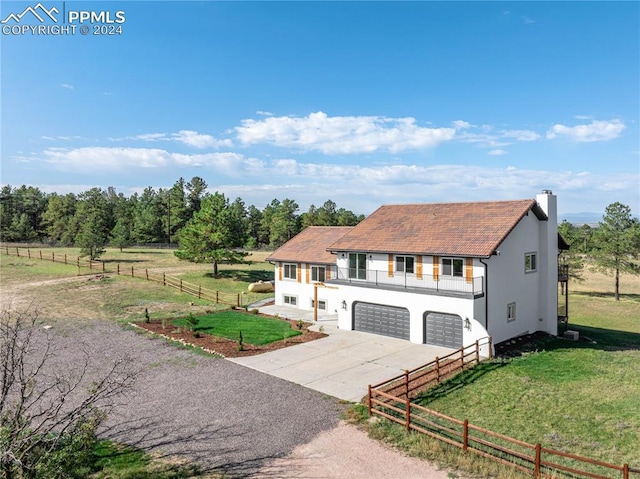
[(228, 348)]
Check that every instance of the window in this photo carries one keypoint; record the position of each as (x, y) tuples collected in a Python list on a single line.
[(511, 312), (318, 273), (452, 267), (322, 304), (357, 266), (404, 264), (290, 300), (530, 262), (290, 271)]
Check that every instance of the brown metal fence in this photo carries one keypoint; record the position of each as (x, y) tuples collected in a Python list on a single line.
[(392, 400), (231, 299)]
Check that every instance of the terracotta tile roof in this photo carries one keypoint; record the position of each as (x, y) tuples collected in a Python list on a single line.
[(310, 246), (456, 229)]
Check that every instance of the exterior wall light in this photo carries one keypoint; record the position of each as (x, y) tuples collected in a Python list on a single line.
[(344, 305), (467, 324)]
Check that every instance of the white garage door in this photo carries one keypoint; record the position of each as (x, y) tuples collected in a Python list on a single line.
[(380, 319), (443, 329)]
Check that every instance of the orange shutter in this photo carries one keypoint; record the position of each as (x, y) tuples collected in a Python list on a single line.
[(469, 270), (419, 266), (390, 268), (307, 267), (280, 271), (436, 267), (327, 273), (299, 275)]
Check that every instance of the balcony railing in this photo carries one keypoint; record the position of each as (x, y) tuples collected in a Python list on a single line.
[(412, 281), (563, 272)]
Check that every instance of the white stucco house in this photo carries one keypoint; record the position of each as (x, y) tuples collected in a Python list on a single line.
[(444, 273)]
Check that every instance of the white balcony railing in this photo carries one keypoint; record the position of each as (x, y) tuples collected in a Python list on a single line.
[(412, 281)]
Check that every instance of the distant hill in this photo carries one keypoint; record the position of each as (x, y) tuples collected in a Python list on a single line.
[(581, 218)]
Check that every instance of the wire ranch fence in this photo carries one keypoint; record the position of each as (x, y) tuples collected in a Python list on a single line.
[(230, 299), (392, 400)]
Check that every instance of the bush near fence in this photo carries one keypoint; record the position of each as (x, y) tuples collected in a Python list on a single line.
[(220, 297), (392, 400)]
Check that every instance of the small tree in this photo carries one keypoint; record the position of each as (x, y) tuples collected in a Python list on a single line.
[(617, 243), (47, 419)]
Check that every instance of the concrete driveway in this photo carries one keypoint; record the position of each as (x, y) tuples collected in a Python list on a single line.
[(344, 363)]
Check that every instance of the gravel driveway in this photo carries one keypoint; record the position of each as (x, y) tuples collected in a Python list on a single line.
[(220, 414)]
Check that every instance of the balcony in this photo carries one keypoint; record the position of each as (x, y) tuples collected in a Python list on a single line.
[(411, 282)]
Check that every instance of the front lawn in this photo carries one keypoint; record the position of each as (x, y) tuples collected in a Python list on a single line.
[(258, 330)]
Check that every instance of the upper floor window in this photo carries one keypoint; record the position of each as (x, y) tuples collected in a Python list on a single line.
[(357, 266), (405, 264), (318, 273), (452, 267), (530, 262), (290, 271)]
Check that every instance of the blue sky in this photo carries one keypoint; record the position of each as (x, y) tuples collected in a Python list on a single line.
[(365, 103)]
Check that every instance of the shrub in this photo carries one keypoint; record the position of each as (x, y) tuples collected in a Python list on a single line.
[(254, 311), (299, 324), (192, 322)]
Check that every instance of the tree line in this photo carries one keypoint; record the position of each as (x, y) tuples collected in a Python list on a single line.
[(100, 217)]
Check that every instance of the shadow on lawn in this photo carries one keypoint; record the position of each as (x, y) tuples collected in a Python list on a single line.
[(459, 381), (597, 294), (599, 338), (250, 276)]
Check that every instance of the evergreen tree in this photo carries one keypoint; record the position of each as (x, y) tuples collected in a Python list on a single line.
[(212, 234), (93, 217), (617, 243)]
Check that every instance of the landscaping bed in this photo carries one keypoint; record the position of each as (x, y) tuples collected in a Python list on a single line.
[(229, 347)]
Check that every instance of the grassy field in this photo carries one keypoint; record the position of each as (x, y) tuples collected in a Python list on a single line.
[(256, 330), (579, 397), (57, 291)]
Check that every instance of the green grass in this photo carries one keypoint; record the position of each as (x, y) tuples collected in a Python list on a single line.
[(114, 461), (257, 330), (578, 397)]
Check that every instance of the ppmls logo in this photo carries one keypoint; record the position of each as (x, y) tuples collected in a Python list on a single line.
[(36, 20)]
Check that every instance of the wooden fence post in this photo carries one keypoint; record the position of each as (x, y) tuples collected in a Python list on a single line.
[(181, 285), (118, 269), (465, 435), (65, 258), (17, 252), (437, 370), (53, 257), (536, 472), (625, 471), (103, 267), (164, 279), (406, 383), (462, 357), (78, 261), (477, 351), (238, 300), (146, 272), (28, 253), (369, 400), (408, 411), (41, 254), (490, 348), (217, 297), (132, 274), (199, 292)]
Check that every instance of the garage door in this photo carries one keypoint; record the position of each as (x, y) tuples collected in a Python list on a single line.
[(443, 329), (380, 319)]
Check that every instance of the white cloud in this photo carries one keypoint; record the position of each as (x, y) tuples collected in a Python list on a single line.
[(67, 86), (106, 159), (342, 134), (497, 152), (197, 140), (520, 135), (264, 113), (461, 124), (594, 131)]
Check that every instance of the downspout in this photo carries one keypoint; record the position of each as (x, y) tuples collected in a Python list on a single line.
[(486, 295)]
